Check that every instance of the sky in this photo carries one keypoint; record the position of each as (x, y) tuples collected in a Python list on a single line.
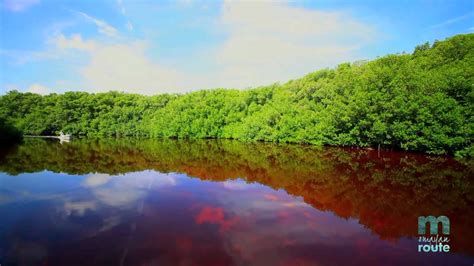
[(152, 47)]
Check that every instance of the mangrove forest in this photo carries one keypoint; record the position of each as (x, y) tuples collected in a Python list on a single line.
[(420, 101)]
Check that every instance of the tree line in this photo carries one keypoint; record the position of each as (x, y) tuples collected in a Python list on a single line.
[(421, 101)]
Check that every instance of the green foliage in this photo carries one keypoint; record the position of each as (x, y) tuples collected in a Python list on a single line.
[(418, 102), (8, 133)]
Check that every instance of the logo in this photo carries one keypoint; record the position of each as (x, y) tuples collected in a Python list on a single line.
[(433, 242)]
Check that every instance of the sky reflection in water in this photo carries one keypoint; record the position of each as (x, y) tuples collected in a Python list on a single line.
[(153, 218)]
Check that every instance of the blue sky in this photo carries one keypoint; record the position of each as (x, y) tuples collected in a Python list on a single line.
[(154, 47)]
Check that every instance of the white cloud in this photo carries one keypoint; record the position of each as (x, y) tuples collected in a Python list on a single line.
[(118, 197), (96, 180), (74, 42), (265, 42), (271, 41), (129, 25), (103, 26), (121, 191), (125, 67), (79, 207), (237, 184), (121, 66), (19, 5), (39, 89), (120, 5), (124, 13)]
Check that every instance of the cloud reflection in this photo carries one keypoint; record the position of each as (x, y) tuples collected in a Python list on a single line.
[(123, 190), (96, 180), (80, 207)]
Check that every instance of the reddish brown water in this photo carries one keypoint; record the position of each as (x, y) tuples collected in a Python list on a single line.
[(143, 202)]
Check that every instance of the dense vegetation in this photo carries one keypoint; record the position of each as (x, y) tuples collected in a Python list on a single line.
[(419, 102), (8, 133)]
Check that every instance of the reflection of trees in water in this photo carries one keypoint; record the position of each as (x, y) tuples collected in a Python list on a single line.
[(385, 193)]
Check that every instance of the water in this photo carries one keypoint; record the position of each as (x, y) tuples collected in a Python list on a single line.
[(150, 202)]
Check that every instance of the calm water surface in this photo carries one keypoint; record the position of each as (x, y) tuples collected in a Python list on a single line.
[(148, 202)]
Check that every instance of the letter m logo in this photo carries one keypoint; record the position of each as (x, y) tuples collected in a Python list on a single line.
[(422, 221)]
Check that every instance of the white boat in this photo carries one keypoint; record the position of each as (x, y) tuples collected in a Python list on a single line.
[(63, 136)]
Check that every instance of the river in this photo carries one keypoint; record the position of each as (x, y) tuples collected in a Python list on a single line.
[(222, 202)]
